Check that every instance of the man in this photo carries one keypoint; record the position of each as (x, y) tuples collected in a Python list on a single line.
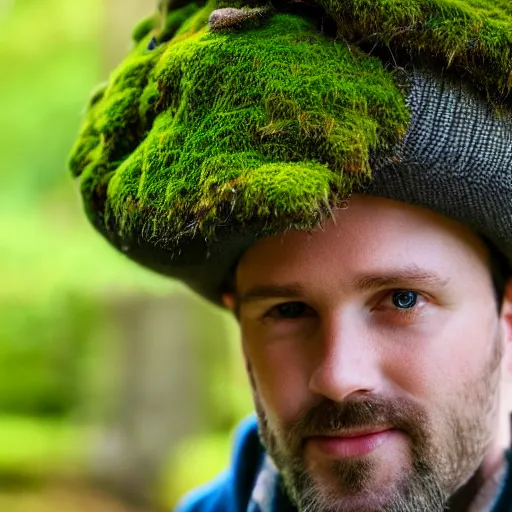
[(354, 213), (375, 373)]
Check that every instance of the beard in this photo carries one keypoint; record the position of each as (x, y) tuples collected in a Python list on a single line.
[(441, 459)]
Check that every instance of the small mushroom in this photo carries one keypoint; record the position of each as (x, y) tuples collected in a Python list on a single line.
[(228, 17)]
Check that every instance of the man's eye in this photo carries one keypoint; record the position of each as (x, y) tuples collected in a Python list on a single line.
[(405, 299), (290, 310)]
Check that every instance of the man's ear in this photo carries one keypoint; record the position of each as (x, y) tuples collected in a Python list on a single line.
[(506, 316), (228, 299)]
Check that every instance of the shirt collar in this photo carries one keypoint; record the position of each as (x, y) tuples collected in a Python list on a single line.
[(264, 494)]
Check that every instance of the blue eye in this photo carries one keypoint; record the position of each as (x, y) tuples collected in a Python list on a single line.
[(290, 310), (405, 299)]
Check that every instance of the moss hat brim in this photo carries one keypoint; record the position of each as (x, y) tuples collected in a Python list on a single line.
[(205, 140)]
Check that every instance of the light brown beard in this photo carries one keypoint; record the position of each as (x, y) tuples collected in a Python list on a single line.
[(438, 468)]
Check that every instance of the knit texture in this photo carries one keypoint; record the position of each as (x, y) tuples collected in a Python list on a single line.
[(456, 159)]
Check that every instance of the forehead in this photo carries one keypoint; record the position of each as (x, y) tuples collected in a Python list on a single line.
[(369, 235)]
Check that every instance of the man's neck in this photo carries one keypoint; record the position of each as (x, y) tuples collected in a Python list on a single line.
[(465, 495), (464, 498)]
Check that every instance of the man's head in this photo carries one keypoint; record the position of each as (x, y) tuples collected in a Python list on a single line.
[(374, 347)]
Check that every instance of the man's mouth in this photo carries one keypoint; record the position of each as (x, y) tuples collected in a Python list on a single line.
[(350, 444)]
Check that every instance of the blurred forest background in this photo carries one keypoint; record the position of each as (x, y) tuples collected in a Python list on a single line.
[(119, 389)]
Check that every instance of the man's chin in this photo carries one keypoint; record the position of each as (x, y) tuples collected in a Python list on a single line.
[(319, 497), (354, 487), (364, 486)]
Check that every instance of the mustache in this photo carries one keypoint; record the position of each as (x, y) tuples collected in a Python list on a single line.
[(330, 418)]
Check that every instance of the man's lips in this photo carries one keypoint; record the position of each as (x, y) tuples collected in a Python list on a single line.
[(350, 444)]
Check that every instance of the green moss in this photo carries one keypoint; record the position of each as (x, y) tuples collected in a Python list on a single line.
[(241, 125), (297, 190), (247, 124), (471, 36), (110, 114), (81, 153), (97, 93), (268, 125)]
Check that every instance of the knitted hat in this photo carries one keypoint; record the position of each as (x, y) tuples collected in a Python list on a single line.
[(231, 122)]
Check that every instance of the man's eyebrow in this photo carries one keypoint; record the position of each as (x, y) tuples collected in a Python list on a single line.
[(266, 292), (385, 279), (410, 274)]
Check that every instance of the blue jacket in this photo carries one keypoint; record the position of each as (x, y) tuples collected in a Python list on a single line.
[(236, 490)]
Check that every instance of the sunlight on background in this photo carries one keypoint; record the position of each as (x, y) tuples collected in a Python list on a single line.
[(118, 388)]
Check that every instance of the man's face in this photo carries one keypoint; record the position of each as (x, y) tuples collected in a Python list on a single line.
[(373, 347)]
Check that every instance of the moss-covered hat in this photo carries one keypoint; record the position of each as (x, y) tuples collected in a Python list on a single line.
[(231, 121)]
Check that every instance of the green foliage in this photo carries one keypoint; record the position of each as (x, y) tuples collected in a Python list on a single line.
[(33, 449), (48, 68), (54, 274), (53, 267), (42, 347), (43, 332), (195, 462), (242, 124)]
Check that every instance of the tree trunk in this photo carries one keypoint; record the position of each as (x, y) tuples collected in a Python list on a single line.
[(158, 394)]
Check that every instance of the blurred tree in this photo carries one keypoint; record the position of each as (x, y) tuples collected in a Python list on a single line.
[(43, 331), (41, 355), (161, 389), (42, 93)]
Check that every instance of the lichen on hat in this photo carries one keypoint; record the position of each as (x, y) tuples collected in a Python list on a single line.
[(209, 136)]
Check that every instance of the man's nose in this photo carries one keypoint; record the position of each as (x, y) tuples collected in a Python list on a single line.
[(345, 360)]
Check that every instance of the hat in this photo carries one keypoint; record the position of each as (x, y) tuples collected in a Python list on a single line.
[(230, 122)]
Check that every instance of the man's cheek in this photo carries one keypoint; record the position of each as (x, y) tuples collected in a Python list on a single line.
[(281, 382)]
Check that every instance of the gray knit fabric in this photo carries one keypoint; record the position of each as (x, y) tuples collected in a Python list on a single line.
[(456, 160)]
